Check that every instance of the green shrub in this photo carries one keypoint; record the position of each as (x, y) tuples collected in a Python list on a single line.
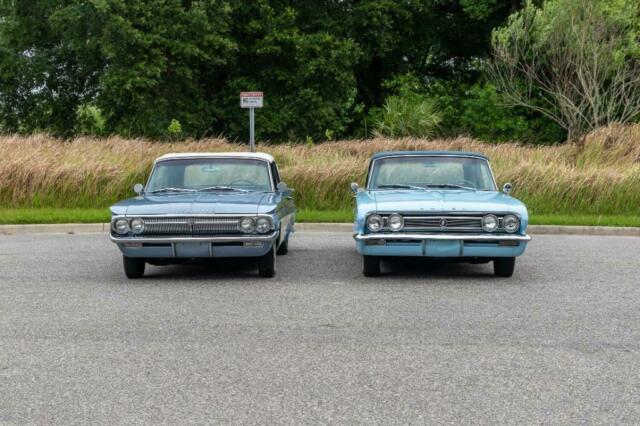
[(485, 116), (479, 111), (90, 121), (174, 129), (408, 115)]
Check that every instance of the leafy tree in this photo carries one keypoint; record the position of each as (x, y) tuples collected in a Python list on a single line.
[(306, 74), (164, 59), (46, 70), (575, 61)]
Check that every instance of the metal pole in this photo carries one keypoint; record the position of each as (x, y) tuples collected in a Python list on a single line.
[(252, 140)]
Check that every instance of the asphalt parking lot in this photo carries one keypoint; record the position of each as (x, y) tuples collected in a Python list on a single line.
[(557, 343)]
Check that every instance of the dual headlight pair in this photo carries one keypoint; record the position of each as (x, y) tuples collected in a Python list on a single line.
[(490, 223), (375, 222), (249, 224), (124, 226)]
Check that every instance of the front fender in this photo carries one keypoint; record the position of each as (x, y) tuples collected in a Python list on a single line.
[(365, 204), (516, 206)]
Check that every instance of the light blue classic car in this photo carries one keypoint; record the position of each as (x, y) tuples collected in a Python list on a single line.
[(437, 204), (202, 206)]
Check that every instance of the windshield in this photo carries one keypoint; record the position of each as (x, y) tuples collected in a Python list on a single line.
[(417, 172), (210, 174)]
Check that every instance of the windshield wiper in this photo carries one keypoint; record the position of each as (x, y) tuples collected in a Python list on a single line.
[(452, 186), (157, 191), (222, 188), (398, 186)]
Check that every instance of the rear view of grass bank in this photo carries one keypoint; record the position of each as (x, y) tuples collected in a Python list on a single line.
[(595, 182)]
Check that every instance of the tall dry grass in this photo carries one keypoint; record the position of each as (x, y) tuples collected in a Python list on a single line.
[(600, 176)]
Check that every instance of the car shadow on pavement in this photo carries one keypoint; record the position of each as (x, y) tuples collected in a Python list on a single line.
[(435, 268), (214, 269)]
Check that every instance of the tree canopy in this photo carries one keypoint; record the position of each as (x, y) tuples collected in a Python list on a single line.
[(140, 66)]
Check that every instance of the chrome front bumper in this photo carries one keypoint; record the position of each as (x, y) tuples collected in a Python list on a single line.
[(441, 237), (219, 239)]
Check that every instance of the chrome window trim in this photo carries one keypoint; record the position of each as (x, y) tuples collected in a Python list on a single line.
[(495, 185), (161, 160)]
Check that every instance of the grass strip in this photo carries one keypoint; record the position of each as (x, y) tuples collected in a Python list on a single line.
[(53, 215)]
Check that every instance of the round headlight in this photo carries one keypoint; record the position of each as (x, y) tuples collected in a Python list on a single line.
[(137, 225), (263, 225), (247, 225), (121, 226), (510, 223), (396, 222), (489, 223), (374, 223)]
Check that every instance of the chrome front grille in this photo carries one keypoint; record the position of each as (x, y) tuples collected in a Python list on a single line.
[(443, 223), (190, 225)]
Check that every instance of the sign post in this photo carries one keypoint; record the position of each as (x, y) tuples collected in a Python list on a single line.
[(251, 100)]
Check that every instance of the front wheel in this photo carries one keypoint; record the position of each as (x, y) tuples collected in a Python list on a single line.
[(371, 266), (504, 266), (267, 264), (284, 247), (133, 267)]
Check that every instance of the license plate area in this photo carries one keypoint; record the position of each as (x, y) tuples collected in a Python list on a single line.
[(192, 249), (443, 248)]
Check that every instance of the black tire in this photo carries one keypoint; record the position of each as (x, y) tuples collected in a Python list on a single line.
[(133, 267), (504, 266), (371, 266), (284, 247), (267, 264)]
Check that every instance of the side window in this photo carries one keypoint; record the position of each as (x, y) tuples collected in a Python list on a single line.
[(276, 175)]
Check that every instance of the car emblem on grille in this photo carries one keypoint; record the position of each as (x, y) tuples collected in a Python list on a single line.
[(443, 223), (190, 222)]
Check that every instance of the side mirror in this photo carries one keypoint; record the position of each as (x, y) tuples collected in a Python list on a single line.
[(138, 188), (355, 187), (282, 187), (506, 188)]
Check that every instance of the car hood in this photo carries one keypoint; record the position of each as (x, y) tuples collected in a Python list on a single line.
[(443, 201), (241, 203)]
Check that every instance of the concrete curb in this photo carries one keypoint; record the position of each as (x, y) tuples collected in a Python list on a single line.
[(55, 228), (584, 230), (86, 228)]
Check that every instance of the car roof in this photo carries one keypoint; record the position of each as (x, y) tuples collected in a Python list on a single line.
[(428, 153), (249, 155)]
